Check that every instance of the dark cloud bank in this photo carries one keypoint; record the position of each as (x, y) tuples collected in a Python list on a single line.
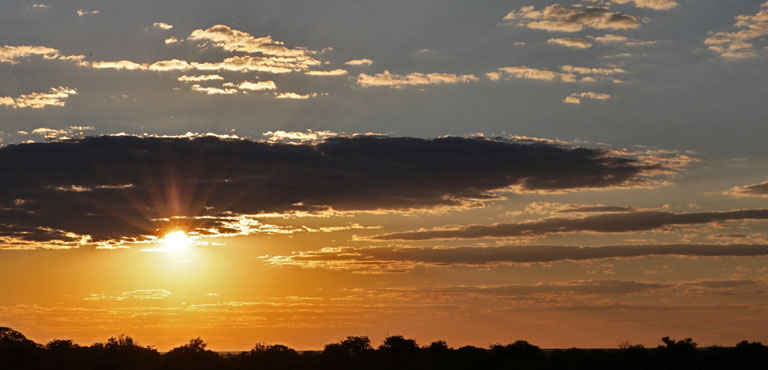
[(113, 187), (403, 258), (603, 223)]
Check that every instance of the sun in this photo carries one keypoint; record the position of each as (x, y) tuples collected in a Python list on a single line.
[(176, 241)]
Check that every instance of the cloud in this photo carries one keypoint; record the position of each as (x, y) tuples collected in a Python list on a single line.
[(257, 86), (592, 71), (335, 72), (528, 73), (171, 40), (56, 97), (13, 54), (753, 190), (570, 42), (562, 18), (230, 39), (200, 78), (170, 65), (213, 90), (248, 63), (591, 209), (83, 12), (142, 294), (294, 96), (575, 98), (650, 4), (387, 79), (118, 65), (62, 134), (38, 5), (739, 44), (162, 26), (603, 223), (403, 258), (134, 188), (359, 62)]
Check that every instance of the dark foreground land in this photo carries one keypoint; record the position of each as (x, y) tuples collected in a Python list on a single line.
[(396, 353)]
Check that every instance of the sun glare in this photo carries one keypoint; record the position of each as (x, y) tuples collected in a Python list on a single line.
[(176, 241)]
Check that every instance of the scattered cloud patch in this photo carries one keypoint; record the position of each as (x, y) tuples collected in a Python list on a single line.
[(257, 86), (740, 44), (13, 54), (575, 98), (604, 223), (83, 12), (573, 18), (753, 190), (391, 80), (570, 42), (294, 96), (649, 4), (200, 78), (335, 72), (162, 26), (405, 258), (359, 62), (213, 90), (56, 97)]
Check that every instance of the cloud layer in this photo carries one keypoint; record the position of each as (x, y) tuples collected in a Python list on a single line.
[(604, 223), (131, 188)]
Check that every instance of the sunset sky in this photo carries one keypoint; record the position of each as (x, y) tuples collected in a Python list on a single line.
[(573, 173)]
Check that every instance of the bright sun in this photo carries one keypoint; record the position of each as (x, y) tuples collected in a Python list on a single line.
[(176, 241)]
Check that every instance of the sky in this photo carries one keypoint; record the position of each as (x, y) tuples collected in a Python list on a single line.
[(572, 173)]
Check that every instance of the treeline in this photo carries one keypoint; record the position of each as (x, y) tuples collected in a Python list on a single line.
[(395, 353)]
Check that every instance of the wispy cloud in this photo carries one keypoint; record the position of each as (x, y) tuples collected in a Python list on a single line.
[(335, 72), (56, 97), (570, 42), (14, 54), (359, 62), (604, 223), (754, 190), (650, 4), (387, 79)]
